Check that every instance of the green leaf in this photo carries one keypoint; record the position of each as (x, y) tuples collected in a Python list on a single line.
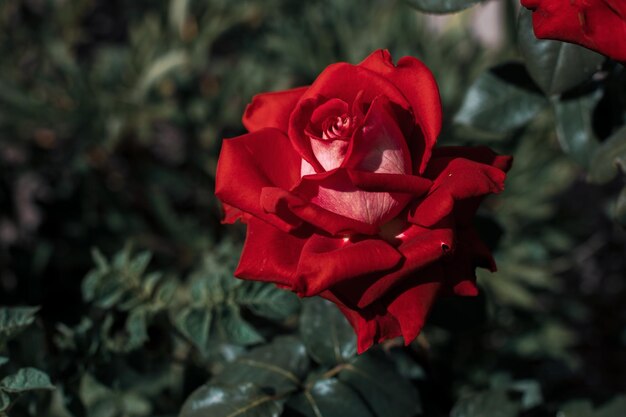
[(15, 319), (136, 328), (530, 391), (5, 401), (242, 401), (3, 360), (574, 126), (326, 333), (555, 66), (266, 300), (500, 100), (178, 14), (162, 66), (442, 6), (386, 391), (609, 158), (279, 366), (329, 398), (494, 403), (26, 379), (233, 328), (195, 324), (138, 265)]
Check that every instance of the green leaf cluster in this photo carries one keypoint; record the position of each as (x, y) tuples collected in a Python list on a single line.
[(13, 321), (311, 376), (212, 308)]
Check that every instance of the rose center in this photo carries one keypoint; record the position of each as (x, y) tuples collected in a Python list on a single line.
[(337, 127)]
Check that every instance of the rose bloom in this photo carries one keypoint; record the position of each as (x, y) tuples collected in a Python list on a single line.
[(596, 24), (345, 196)]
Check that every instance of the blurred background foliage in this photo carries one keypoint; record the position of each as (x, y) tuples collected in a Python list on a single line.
[(116, 276)]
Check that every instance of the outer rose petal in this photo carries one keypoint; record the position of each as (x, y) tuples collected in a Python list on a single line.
[(251, 162), (271, 109), (455, 179), (596, 24), (400, 314), (420, 248), (460, 267), (418, 85), (347, 81), (325, 262), (371, 326), (412, 303), (232, 214), (269, 254)]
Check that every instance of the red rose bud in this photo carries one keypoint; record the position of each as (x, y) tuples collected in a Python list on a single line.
[(596, 24), (345, 196)]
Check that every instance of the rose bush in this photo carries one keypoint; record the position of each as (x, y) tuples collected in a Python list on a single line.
[(346, 197), (596, 24)]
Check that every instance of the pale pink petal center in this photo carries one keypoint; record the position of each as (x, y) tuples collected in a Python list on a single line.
[(376, 146)]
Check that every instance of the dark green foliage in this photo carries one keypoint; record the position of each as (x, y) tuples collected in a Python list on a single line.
[(111, 120), (442, 6), (499, 105), (13, 321), (374, 377), (326, 333), (574, 126), (245, 400)]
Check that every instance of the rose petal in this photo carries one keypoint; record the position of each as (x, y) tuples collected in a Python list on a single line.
[(411, 303), (269, 254), (332, 108), (339, 81), (271, 109), (335, 192), (327, 261), (233, 214), (420, 248), (460, 267), (251, 162), (418, 85), (346, 82), (454, 179), (596, 24), (288, 205), (371, 326), (298, 123), (395, 183), (329, 153), (402, 313), (379, 145)]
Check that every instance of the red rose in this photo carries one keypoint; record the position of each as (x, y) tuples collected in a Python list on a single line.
[(345, 197), (596, 24)]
